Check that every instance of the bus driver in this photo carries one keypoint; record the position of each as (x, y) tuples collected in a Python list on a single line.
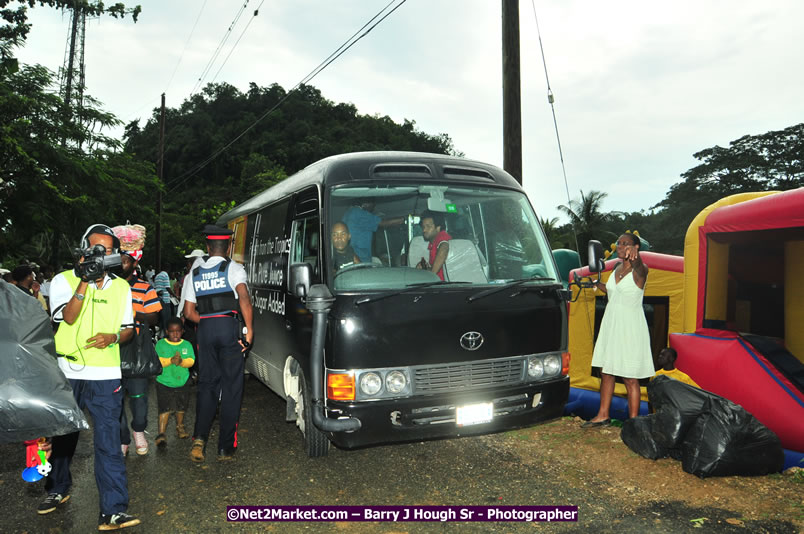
[(343, 253)]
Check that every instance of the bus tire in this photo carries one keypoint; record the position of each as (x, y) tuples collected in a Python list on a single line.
[(316, 443)]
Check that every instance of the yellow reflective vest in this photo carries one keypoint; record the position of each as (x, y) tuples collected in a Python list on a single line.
[(101, 312)]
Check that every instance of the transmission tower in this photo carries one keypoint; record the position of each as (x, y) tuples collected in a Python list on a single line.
[(72, 74)]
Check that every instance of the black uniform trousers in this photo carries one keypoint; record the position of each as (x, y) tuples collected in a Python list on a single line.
[(220, 374)]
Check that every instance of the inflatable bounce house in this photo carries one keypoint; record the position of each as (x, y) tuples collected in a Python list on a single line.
[(733, 308), (743, 331)]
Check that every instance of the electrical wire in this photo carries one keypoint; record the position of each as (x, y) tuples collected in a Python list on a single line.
[(186, 43), (208, 66), (153, 101), (217, 51), (256, 12), (129, 116), (551, 100), (351, 41)]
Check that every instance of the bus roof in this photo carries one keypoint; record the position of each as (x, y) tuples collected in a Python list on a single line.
[(377, 166)]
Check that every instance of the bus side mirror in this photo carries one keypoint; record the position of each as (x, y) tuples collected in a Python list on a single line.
[(595, 256), (300, 276)]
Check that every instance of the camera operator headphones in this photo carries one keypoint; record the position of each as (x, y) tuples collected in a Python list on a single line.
[(100, 229)]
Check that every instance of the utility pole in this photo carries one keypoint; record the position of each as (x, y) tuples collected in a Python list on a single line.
[(512, 98), (160, 167)]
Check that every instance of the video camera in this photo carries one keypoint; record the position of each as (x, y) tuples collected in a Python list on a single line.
[(96, 262)]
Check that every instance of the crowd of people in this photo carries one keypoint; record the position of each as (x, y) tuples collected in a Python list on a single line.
[(200, 321)]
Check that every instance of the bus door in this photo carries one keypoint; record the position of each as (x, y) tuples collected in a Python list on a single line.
[(305, 247)]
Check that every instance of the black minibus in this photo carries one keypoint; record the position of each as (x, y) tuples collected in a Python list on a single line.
[(379, 348)]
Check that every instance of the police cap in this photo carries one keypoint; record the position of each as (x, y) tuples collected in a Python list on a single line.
[(216, 232)]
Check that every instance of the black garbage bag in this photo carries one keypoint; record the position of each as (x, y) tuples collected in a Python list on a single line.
[(35, 398), (726, 440), (677, 406), (712, 436), (637, 434)]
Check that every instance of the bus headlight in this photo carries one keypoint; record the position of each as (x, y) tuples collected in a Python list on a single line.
[(395, 382), (535, 367), (370, 384), (552, 364)]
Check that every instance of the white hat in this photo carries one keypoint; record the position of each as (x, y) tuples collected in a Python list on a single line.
[(195, 254), (4, 271)]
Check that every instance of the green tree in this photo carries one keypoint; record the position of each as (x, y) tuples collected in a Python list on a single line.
[(53, 188), (766, 162), (55, 164), (550, 227), (306, 127), (587, 218)]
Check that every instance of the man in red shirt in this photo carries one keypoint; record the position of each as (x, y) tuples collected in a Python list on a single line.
[(438, 242)]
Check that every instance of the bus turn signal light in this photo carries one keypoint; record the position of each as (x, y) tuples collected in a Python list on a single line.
[(565, 362), (340, 387)]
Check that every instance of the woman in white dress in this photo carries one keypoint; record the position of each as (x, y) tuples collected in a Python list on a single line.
[(623, 344)]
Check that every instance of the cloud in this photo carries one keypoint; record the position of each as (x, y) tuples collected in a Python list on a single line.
[(639, 86)]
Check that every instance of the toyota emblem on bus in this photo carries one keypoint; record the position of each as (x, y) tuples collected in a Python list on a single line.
[(471, 340)]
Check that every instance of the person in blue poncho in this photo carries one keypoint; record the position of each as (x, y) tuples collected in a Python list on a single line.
[(362, 223)]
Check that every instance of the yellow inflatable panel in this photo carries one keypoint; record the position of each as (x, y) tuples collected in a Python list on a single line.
[(793, 298), (717, 281), (661, 283), (692, 263)]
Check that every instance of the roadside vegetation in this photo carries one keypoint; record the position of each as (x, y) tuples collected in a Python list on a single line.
[(52, 156)]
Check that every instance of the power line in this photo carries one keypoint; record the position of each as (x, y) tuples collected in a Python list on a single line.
[(217, 51), (137, 110), (214, 55), (551, 100), (351, 41), (187, 42), (256, 12)]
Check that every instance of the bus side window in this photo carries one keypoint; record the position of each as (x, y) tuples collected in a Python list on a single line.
[(306, 245)]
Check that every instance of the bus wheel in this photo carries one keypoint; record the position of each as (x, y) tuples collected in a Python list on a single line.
[(316, 443)]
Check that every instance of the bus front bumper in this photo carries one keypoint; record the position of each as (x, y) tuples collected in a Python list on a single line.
[(434, 416)]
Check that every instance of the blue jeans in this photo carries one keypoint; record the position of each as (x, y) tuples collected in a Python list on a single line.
[(137, 389), (103, 399), (164, 316)]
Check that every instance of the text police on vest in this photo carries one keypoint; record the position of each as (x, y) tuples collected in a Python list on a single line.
[(206, 285)]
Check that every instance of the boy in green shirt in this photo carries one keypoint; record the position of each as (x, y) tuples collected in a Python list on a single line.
[(177, 356)]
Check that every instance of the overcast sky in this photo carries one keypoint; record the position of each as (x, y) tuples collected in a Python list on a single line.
[(639, 85)]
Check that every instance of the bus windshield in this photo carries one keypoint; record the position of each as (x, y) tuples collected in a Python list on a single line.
[(390, 236)]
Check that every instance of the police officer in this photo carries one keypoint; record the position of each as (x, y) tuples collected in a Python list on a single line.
[(219, 302)]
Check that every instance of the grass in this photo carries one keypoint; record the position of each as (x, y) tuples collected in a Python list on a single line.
[(797, 477)]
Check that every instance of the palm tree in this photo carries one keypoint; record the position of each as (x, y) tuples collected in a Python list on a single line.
[(586, 217), (550, 227)]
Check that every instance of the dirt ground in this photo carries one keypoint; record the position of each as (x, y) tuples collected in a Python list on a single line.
[(599, 458)]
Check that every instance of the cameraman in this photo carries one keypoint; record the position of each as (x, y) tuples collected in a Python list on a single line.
[(94, 312)]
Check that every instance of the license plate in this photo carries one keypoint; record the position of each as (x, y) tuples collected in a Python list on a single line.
[(474, 414)]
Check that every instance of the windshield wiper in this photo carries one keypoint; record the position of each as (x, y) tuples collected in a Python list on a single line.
[(509, 285), (408, 289)]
